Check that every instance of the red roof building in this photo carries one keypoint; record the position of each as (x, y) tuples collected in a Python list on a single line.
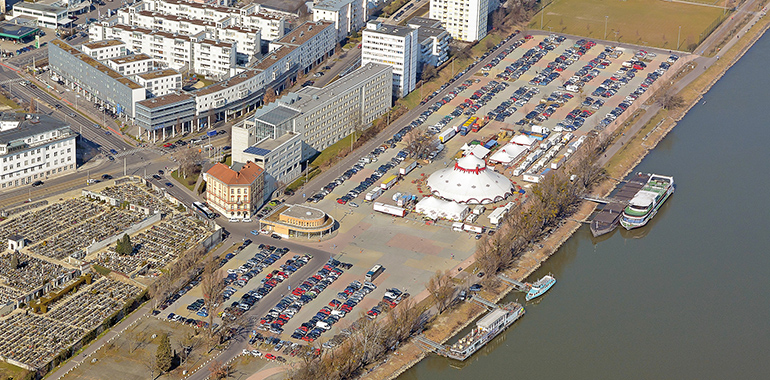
[(235, 194)]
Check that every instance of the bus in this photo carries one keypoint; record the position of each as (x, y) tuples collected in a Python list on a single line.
[(372, 274), (200, 207)]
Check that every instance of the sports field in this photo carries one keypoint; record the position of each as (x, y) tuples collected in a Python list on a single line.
[(644, 22)]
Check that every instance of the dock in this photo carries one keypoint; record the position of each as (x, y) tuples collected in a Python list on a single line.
[(608, 218), (520, 286)]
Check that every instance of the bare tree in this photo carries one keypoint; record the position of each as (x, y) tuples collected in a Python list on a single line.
[(150, 363), (441, 289), (220, 370), (418, 144), (671, 102), (270, 96), (428, 72), (188, 159), (212, 286)]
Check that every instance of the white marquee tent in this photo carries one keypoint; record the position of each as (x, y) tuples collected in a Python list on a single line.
[(470, 181), (509, 153), (435, 208)]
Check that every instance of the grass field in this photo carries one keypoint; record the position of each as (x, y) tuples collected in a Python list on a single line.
[(8, 371), (643, 22)]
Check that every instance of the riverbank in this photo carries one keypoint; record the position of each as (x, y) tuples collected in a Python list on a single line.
[(649, 134)]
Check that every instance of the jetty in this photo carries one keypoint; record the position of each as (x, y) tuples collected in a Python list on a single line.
[(523, 287), (607, 219)]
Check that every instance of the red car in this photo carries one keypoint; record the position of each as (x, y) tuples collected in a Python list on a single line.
[(269, 356), (167, 145), (335, 302)]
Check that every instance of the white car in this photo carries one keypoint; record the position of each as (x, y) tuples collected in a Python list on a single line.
[(234, 220), (246, 220)]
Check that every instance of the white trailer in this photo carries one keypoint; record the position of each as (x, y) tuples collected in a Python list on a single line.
[(407, 167), (389, 209), (374, 194), (472, 228), (446, 135)]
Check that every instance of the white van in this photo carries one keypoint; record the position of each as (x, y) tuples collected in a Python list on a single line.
[(323, 325)]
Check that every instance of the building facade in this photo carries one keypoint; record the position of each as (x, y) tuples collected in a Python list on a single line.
[(48, 16), (94, 80), (104, 49), (160, 82), (34, 147), (165, 116), (132, 64), (434, 41), (235, 193), (464, 20), (348, 16), (298, 221), (323, 116), (281, 157), (397, 46)]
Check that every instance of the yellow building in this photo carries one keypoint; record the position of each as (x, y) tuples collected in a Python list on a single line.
[(235, 194), (299, 221)]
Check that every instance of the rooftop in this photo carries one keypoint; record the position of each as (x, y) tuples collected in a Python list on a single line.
[(331, 5), (275, 114), (304, 32), (310, 97), (165, 100), (131, 58), (103, 44), (303, 212), (227, 83), (158, 74), (267, 145), (40, 123), (391, 30), (96, 64), (419, 22), (40, 7), (424, 32), (247, 174), (274, 56)]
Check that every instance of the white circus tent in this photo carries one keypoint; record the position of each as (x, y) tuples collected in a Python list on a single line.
[(524, 140), (435, 208), (509, 153), (470, 181)]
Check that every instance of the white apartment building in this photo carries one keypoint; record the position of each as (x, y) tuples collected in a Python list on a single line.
[(104, 49), (181, 52), (248, 40), (34, 147), (347, 15), (159, 82), (397, 46), (465, 20), (249, 16), (281, 158), (434, 41), (131, 64)]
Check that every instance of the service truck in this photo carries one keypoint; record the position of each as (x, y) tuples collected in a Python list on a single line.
[(389, 182), (446, 135), (374, 194), (407, 166)]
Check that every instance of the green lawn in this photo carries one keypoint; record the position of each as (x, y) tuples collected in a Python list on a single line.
[(189, 182), (644, 22), (9, 371)]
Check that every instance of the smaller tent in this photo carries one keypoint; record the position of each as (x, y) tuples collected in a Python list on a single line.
[(524, 140), (509, 153), (435, 208)]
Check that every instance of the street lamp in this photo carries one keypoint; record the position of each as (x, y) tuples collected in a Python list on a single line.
[(605, 26), (76, 102)]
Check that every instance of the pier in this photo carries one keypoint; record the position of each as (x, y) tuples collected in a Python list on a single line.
[(607, 219), (484, 302), (520, 286)]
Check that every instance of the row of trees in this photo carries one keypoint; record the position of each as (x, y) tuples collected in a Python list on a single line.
[(557, 196), (369, 342)]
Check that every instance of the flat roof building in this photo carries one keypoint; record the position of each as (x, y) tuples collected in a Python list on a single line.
[(348, 16), (34, 147), (393, 45), (48, 16), (464, 20), (160, 82), (299, 221), (434, 41), (94, 80), (166, 115)]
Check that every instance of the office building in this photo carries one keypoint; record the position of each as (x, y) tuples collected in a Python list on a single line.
[(464, 20), (393, 45), (34, 147), (159, 82), (165, 116), (48, 16), (132, 64), (236, 192), (104, 49)]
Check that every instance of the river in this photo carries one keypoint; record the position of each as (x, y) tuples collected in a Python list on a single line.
[(687, 296)]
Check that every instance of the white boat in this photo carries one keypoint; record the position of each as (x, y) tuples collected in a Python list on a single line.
[(645, 204), (541, 286)]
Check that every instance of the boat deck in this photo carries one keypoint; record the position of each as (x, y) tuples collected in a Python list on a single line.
[(607, 219)]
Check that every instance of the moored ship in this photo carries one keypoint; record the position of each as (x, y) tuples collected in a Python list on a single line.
[(645, 204), (487, 328), (539, 287)]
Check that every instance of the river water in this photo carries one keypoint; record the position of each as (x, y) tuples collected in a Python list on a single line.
[(687, 296)]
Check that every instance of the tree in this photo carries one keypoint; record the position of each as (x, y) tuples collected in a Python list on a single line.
[(149, 363), (428, 72), (671, 102), (163, 356), (188, 159), (212, 287), (441, 290), (220, 370), (124, 246), (269, 96), (14, 261)]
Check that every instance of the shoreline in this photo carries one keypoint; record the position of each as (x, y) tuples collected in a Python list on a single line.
[(562, 233)]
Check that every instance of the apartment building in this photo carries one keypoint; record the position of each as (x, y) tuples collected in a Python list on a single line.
[(393, 45), (248, 40), (236, 192), (132, 64), (181, 52), (271, 26), (104, 49), (347, 15), (34, 147), (94, 80), (465, 20), (434, 41), (322, 116), (160, 82), (281, 157), (309, 44)]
